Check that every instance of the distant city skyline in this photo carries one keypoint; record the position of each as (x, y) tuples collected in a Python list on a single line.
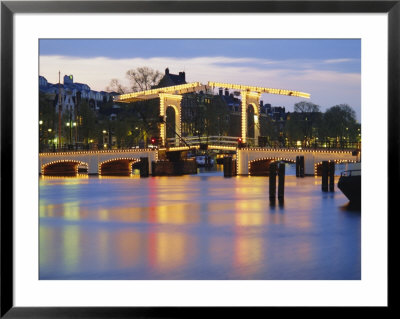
[(330, 70)]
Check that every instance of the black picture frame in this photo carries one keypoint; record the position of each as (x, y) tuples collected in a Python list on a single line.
[(9, 8)]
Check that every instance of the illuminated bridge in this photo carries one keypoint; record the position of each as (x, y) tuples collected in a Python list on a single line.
[(249, 161), (107, 162), (171, 96)]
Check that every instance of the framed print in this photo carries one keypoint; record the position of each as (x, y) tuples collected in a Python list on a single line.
[(196, 156)]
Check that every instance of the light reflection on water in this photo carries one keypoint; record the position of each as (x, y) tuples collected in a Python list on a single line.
[(195, 227)]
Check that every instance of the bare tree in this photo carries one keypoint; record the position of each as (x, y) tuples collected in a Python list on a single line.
[(140, 79), (116, 86), (143, 78)]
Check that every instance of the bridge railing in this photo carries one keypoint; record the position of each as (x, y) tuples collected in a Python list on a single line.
[(222, 141), (215, 140), (66, 149), (253, 142)]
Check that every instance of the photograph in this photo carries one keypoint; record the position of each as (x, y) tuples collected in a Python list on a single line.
[(199, 159), (172, 159)]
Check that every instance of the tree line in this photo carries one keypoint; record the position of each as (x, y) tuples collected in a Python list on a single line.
[(336, 127)]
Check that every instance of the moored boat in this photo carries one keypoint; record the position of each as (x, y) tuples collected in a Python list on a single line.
[(350, 185), (204, 161)]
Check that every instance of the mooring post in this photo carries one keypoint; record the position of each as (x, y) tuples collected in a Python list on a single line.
[(272, 181), (331, 176), (228, 166), (144, 167), (281, 181), (325, 170), (301, 158)]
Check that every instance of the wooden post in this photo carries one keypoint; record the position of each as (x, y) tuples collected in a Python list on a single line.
[(325, 169), (281, 181), (297, 166), (331, 176), (301, 166), (144, 167), (272, 181)]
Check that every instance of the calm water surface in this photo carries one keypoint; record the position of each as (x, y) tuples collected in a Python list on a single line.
[(201, 226)]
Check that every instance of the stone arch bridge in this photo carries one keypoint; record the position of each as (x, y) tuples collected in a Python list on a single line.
[(95, 162), (121, 161), (313, 158)]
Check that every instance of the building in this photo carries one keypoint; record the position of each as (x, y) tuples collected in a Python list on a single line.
[(170, 79), (72, 93), (67, 98)]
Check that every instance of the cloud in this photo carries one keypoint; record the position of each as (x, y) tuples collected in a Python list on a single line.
[(338, 61), (327, 87)]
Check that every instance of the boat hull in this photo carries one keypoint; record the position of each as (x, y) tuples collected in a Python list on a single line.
[(351, 188)]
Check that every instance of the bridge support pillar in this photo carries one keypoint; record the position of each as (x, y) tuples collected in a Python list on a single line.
[(144, 167), (229, 167), (173, 101), (250, 98)]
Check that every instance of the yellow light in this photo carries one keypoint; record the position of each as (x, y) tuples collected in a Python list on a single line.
[(259, 89), (149, 94)]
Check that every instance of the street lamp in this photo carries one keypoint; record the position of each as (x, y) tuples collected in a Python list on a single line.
[(70, 124), (74, 125), (104, 144), (70, 133), (40, 135)]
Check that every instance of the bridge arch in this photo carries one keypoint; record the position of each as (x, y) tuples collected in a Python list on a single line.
[(253, 99), (253, 122), (174, 123), (121, 166), (62, 167), (260, 166)]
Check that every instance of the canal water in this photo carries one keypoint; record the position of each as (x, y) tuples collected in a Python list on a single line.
[(195, 227)]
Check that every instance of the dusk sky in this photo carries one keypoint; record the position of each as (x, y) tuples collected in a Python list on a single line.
[(330, 70)]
